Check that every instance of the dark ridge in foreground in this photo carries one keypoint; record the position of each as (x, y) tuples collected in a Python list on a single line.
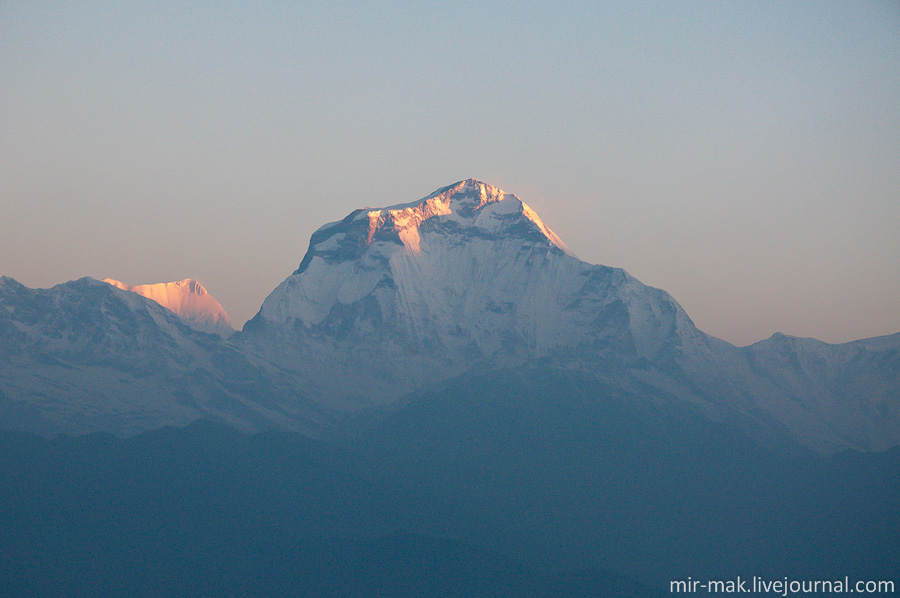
[(495, 489)]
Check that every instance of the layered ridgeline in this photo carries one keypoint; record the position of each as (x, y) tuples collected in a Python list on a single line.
[(480, 413), (469, 279), (87, 356), (391, 304)]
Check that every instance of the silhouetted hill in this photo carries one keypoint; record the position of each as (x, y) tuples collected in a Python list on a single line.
[(491, 489)]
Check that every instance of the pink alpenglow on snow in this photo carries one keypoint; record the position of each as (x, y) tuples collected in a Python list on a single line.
[(188, 299)]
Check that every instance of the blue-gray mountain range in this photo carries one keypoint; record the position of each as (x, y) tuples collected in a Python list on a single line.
[(390, 303)]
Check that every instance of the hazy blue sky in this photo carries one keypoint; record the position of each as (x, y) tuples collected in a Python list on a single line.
[(743, 156)]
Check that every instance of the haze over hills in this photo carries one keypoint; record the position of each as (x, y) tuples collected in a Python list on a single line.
[(440, 399), (392, 301)]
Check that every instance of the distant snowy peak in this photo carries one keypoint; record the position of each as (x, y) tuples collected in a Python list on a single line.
[(188, 299), (85, 319)]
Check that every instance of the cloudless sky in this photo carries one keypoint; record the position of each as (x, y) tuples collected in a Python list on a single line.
[(744, 157)]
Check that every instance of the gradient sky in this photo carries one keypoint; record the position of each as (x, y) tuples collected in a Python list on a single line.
[(744, 157)]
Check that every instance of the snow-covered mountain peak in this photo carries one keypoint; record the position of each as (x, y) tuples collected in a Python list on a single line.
[(188, 299), (469, 205), (467, 273)]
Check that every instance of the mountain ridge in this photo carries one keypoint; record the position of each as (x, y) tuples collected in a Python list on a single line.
[(85, 356), (390, 301), (426, 256), (186, 298)]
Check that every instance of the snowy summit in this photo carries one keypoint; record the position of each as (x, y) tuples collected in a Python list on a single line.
[(465, 273), (188, 299), (468, 204)]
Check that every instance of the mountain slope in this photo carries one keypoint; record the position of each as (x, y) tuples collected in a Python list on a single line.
[(85, 356), (392, 302), (469, 279), (468, 267), (853, 389), (188, 299), (479, 413), (495, 491), (466, 276)]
